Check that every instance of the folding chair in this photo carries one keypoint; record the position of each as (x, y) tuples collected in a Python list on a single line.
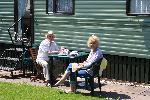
[(97, 68), (39, 68)]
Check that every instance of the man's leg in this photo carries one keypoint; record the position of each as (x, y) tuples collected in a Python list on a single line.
[(45, 66)]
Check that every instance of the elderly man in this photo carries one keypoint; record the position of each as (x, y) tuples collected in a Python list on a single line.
[(47, 46)]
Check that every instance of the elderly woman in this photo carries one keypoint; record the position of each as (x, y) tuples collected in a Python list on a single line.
[(94, 55)]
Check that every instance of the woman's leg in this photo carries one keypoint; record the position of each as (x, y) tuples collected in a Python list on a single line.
[(65, 76), (80, 73), (73, 79), (83, 73)]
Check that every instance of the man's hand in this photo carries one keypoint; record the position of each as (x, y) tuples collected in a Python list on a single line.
[(53, 52)]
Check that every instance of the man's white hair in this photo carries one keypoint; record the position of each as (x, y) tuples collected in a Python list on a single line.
[(49, 32)]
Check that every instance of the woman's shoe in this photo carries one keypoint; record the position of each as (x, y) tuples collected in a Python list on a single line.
[(69, 91), (62, 80)]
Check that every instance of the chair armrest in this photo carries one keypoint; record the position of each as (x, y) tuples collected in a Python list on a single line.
[(100, 72)]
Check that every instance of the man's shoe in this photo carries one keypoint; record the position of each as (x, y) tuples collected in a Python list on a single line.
[(48, 84)]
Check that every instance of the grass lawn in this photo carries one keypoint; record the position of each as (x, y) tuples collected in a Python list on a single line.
[(14, 91)]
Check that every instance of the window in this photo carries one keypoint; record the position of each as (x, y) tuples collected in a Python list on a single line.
[(20, 9), (23, 16), (138, 7), (60, 6)]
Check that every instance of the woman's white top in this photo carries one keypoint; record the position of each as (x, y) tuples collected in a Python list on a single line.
[(93, 57)]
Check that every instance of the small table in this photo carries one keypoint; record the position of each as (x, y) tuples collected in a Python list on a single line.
[(69, 59)]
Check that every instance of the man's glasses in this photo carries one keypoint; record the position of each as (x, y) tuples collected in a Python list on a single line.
[(51, 36)]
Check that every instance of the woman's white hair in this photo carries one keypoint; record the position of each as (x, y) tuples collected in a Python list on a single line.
[(93, 39)]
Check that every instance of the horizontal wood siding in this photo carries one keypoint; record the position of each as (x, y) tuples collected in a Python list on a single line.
[(6, 19), (120, 34)]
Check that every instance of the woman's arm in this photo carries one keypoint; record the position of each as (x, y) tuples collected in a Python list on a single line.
[(81, 65), (93, 58)]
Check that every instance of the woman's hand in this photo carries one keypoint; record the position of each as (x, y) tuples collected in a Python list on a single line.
[(84, 62), (80, 65)]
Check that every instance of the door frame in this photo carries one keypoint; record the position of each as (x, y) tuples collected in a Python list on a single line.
[(16, 18)]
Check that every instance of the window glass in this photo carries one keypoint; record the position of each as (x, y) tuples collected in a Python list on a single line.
[(138, 7), (21, 11), (64, 6), (60, 6), (50, 6)]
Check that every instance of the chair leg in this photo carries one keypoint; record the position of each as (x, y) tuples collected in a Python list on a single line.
[(11, 74), (92, 86), (99, 83), (39, 73), (86, 83), (35, 77)]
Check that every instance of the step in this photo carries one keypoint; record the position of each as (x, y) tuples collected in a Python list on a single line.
[(12, 49), (7, 68), (9, 58)]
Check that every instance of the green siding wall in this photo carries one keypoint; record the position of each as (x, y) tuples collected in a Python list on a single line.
[(6, 19), (120, 34), (126, 36)]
